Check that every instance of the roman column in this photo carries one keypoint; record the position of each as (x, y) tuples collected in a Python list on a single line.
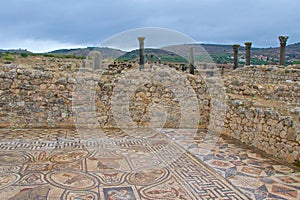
[(283, 40), (151, 60), (159, 61), (235, 55), (142, 52), (248, 52), (192, 61)]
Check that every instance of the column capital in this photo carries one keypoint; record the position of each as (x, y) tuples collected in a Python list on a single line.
[(248, 43), (141, 39), (236, 46), (283, 39)]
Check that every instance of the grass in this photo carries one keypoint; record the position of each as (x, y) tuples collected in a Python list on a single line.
[(64, 56), (9, 58), (12, 56)]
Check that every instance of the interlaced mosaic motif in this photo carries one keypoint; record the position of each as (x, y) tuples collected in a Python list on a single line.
[(255, 175), (64, 167)]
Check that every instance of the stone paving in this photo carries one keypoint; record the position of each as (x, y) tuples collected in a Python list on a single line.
[(64, 164), (256, 175)]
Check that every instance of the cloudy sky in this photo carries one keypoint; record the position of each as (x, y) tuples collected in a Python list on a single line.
[(44, 25)]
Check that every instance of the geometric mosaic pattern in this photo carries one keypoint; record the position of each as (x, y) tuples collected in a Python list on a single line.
[(56, 164), (257, 176)]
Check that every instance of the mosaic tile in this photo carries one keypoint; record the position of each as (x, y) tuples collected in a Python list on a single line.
[(59, 164), (257, 176)]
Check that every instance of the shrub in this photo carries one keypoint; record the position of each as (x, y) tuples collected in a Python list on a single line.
[(24, 55), (8, 58)]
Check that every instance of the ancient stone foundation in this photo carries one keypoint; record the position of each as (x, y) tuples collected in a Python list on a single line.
[(45, 96), (262, 106), (264, 109)]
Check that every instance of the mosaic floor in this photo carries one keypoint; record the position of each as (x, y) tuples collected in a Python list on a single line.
[(64, 164), (254, 174)]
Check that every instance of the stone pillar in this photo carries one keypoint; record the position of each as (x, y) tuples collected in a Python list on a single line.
[(83, 63), (159, 61), (235, 55), (151, 60), (96, 60), (142, 52), (248, 52), (283, 40), (222, 70), (192, 61)]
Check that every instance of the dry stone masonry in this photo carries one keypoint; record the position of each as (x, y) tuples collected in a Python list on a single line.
[(262, 106), (264, 109), (43, 96)]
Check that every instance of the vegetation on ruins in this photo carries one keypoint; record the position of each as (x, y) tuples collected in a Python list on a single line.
[(8, 57)]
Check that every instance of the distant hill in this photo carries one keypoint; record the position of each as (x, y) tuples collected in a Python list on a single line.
[(180, 53), (200, 49), (15, 51), (105, 52), (164, 55), (292, 51)]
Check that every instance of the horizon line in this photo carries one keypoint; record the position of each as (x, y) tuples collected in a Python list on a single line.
[(95, 46)]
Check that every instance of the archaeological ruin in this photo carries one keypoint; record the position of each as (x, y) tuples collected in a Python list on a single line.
[(254, 106)]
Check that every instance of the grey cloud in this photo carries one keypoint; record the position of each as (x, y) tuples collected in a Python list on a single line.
[(92, 21)]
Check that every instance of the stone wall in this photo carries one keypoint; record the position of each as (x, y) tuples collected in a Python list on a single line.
[(284, 91), (45, 96), (273, 84), (35, 97), (264, 109), (264, 127), (268, 74)]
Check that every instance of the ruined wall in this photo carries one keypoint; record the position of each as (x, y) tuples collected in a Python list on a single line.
[(35, 97), (268, 74), (43, 96), (264, 109), (264, 127)]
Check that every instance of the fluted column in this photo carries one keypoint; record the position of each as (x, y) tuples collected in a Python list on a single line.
[(248, 53), (283, 40), (235, 55), (142, 52)]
